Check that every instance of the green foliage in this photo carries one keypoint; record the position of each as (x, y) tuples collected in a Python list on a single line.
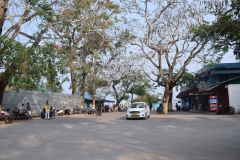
[(31, 63), (99, 84), (227, 34), (186, 78), (138, 90), (149, 98)]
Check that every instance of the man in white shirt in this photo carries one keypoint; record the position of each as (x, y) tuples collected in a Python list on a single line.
[(21, 109)]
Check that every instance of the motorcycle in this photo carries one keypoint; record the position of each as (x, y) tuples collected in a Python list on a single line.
[(51, 115), (77, 110), (225, 110), (23, 115), (90, 111), (67, 111), (52, 112)]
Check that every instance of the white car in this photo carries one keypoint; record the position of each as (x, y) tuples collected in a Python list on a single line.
[(138, 110)]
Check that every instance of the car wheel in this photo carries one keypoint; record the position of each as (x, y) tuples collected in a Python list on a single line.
[(127, 118)]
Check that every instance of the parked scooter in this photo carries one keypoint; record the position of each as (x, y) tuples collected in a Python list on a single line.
[(63, 111), (60, 112), (225, 110)]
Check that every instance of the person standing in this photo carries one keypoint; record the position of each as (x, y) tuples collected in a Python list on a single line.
[(150, 107), (47, 110), (29, 109)]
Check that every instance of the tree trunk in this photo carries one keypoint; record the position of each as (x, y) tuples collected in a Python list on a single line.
[(4, 81), (84, 75), (3, 85), (73, 80), (83, 88), (132, 98), (170, 100), (3, 10), (166, 97)]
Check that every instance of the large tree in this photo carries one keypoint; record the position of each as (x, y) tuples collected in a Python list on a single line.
[(186, 78), (83, 30), (166, 35), (21, 48), (228, 31)]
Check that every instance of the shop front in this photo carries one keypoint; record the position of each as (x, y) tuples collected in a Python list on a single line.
[(210, 99)]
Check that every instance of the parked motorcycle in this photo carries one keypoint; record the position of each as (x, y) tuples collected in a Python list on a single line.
[(67, 111), (51, 115), (77, 110), (85, 111), (90, 111), (52, 112), (225, 110), (17, 115)]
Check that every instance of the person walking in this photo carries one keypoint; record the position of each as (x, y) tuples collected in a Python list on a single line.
[(29, 109), (47, 110), (150, 107)]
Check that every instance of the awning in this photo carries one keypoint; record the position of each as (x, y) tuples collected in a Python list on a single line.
[(97, 99), (192, 91)]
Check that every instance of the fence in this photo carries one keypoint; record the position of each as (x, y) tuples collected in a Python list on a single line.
[(38, 99)]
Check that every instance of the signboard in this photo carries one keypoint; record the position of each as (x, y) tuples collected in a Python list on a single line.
[(213, 103), (202, 86)]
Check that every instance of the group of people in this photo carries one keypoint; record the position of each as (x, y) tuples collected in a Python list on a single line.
[(5, 115), (22, 109)]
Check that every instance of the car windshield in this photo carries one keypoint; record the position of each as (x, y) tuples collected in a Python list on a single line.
[(137, 105)]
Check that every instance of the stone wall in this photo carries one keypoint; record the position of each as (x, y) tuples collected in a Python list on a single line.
[(38, 99)]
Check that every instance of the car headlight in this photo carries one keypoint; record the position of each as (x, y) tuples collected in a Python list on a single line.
[(143, 110)]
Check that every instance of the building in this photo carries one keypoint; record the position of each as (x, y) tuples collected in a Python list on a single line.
[(214, 85), (88, 99)]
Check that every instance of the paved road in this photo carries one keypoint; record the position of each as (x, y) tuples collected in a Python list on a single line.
[(178, 136)]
